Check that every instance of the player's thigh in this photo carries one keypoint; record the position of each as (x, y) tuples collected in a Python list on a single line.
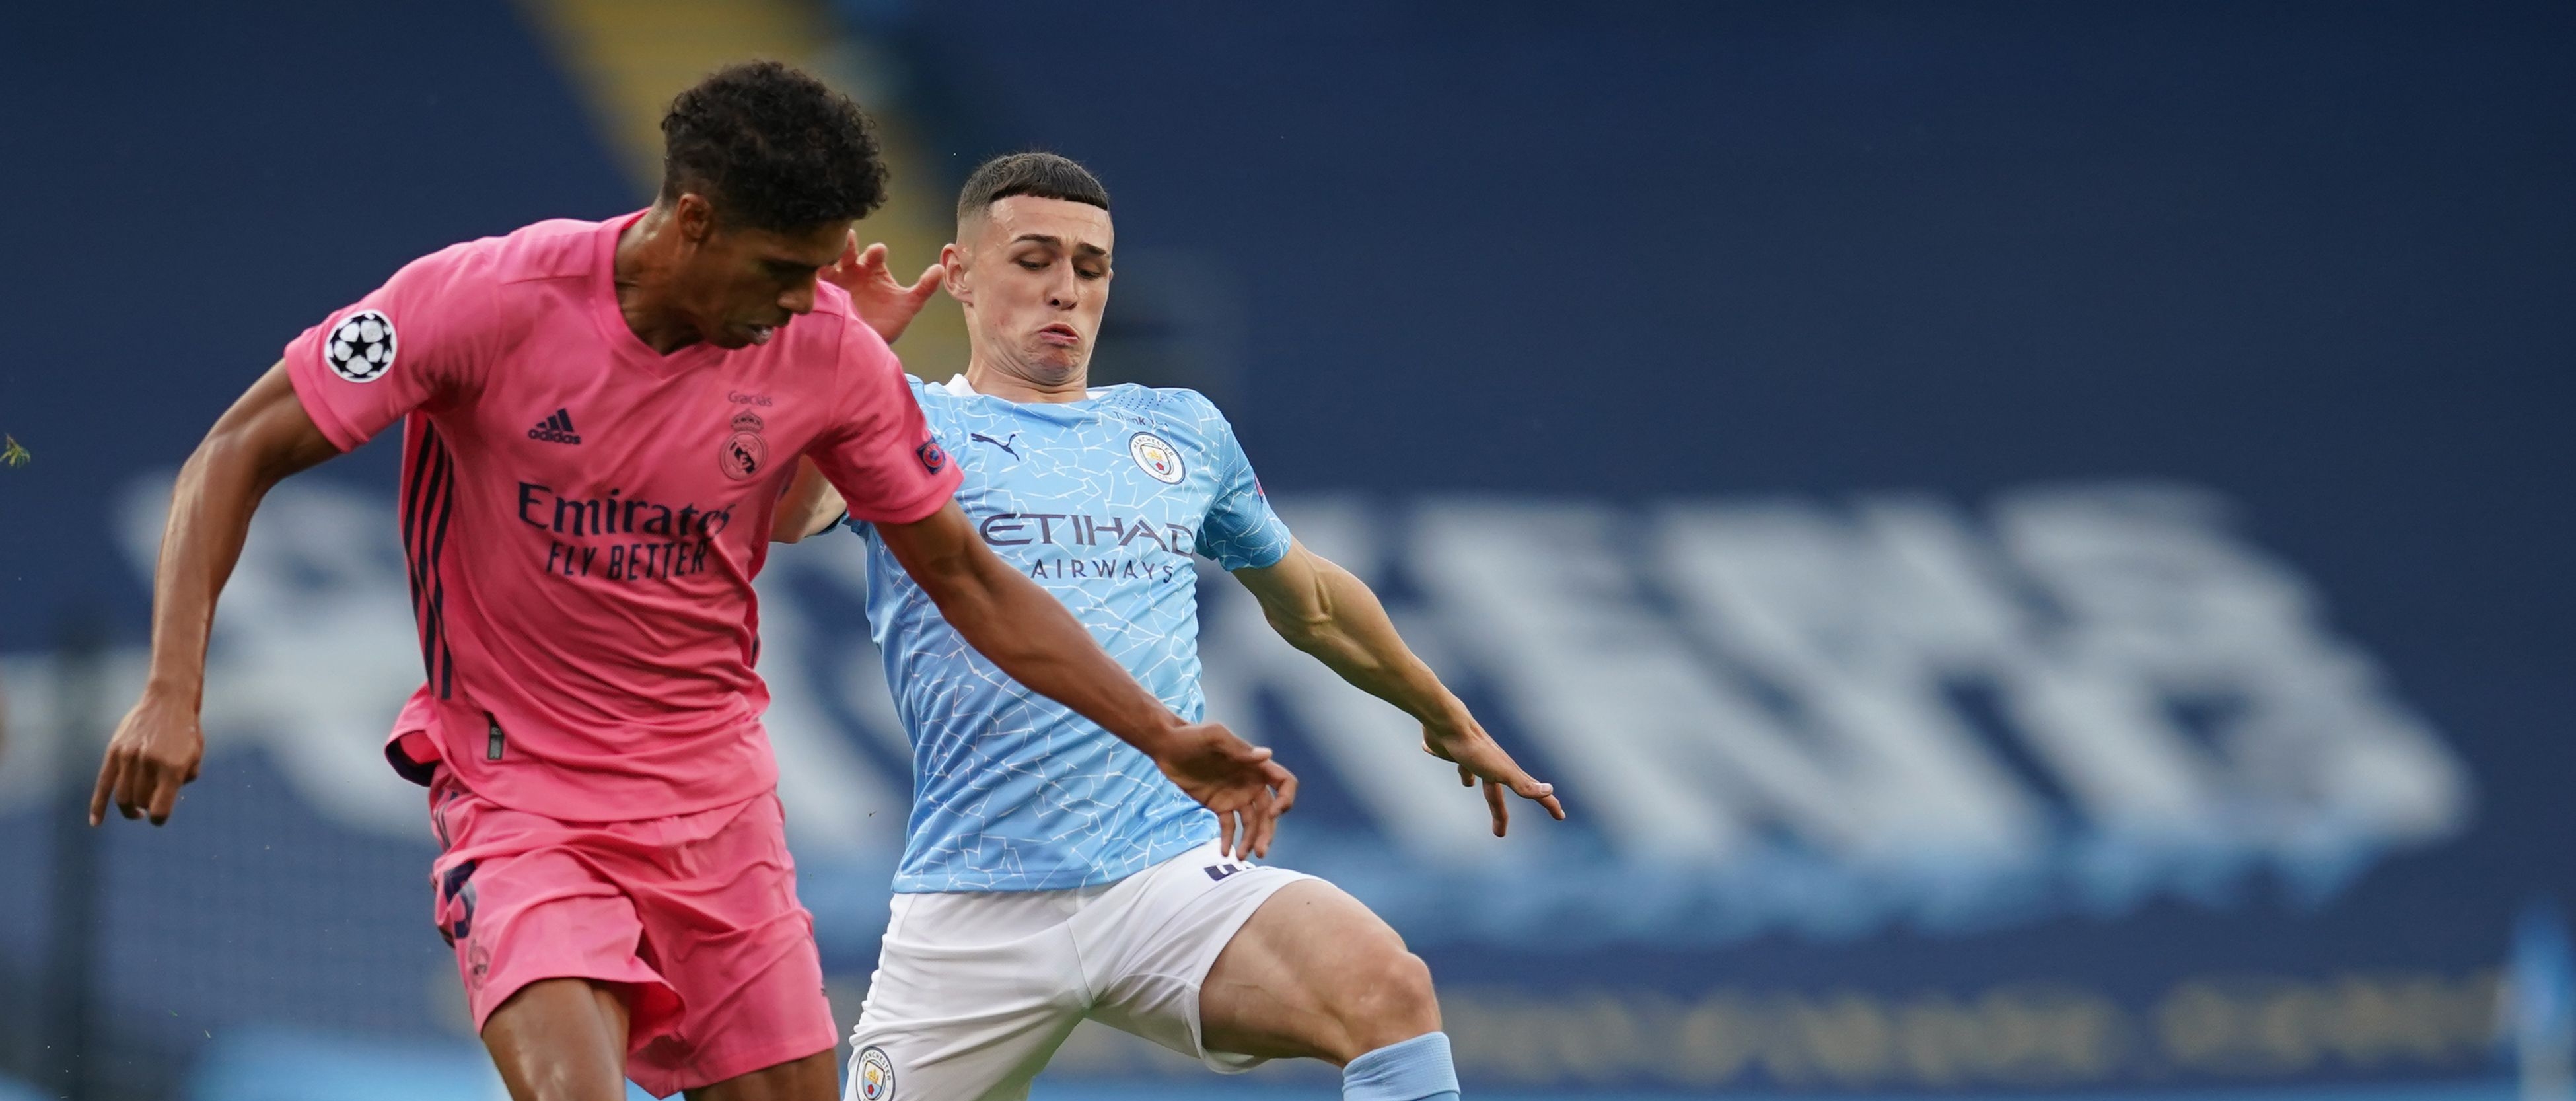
[(1315, 974), (560, 1040), (968, 1021), (815, 1077), (991, 1058), (972, 1053), (723, 927), (522, 905)]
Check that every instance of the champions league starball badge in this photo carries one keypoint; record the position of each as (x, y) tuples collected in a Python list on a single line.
[(361, 347)]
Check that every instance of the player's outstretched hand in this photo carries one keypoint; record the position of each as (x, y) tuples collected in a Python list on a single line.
[(156, 749), (1236, 780), (1478, 757), (887, 306)]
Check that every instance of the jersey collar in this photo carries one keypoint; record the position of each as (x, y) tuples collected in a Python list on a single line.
[(957, 386)]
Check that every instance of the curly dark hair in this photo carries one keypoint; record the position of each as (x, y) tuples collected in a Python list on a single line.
[(773, 148), (1044, 175)]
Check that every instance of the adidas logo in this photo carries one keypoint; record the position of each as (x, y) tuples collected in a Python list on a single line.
[(555, 429)]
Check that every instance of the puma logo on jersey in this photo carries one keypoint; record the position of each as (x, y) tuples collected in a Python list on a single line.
[(1005, 445)]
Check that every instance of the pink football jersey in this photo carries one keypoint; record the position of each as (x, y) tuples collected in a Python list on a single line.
[(583, 516)]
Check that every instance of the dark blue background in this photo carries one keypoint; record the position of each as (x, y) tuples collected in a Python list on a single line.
[(2320, 257)]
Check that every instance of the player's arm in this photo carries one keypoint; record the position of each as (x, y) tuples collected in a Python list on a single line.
[(1322, 609), (810, 507), (1022, 629), (264, 437)]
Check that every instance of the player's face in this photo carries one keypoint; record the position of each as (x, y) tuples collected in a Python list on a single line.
[(743, 284), (1035, 279)]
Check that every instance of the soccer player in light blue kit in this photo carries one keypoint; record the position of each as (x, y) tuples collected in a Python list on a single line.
[(1051, 873)]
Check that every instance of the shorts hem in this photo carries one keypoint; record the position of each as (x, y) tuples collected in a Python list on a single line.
[(487, 1003)]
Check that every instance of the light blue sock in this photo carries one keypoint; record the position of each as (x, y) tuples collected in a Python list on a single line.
[(1415, 1070)]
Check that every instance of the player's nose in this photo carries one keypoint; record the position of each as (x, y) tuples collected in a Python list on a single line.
[(798, 300)]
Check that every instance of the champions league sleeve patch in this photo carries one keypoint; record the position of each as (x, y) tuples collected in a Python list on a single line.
[(361, 347), (932, 458)]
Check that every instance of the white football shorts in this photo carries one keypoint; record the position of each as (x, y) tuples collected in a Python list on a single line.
[(974, 991)]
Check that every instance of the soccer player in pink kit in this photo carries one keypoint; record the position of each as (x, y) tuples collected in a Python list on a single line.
[(599, 418)]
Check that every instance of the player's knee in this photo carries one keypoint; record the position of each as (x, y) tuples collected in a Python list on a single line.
[(1397, 1004)]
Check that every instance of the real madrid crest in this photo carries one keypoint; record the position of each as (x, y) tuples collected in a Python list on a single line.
[(744, 454), (1159, 459)]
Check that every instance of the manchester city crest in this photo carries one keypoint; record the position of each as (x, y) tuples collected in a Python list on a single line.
[(874, 1079), (1158, 457)]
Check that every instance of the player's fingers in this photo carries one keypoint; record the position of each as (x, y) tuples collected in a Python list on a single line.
[(1283, 782), (107, 775), (165, 798), (929, 282), (1527, 786), (1265, 824), (1466, 777), (1499, 806), (1225, 831), (849, 251), (132, 782), (874, 259)]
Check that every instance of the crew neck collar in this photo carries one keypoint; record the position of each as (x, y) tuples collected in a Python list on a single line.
[(957, 386)]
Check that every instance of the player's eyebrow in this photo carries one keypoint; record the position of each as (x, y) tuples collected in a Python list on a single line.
[(1051, 239)]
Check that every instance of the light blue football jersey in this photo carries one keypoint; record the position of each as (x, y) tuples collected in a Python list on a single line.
[(1103, 502)]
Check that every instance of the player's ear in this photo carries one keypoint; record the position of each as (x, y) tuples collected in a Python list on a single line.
[(952, 261), (695, 216)]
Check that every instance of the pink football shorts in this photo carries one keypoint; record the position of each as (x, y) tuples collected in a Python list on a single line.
[(693, 916)]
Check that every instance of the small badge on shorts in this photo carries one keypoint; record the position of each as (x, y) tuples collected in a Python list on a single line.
[(361, 347), (875, 1077)]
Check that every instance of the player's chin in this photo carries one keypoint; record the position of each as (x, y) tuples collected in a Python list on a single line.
[(1057, 361), (735, 337)]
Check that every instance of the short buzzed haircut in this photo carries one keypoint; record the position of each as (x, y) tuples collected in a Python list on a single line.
[(774, 148), (1044, 175)]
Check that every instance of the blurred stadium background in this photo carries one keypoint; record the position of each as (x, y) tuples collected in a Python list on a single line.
[(2033, 537)]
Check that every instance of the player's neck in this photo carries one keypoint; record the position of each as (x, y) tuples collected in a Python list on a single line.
[(639, 269), (993, 380)]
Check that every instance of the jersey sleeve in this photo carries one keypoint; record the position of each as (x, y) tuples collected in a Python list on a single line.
[(1241, 531), (879, 452), (412, 343)]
